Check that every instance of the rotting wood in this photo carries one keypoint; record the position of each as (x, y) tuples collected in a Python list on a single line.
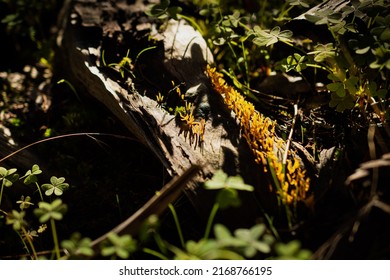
[(81, 46), (91, 28)]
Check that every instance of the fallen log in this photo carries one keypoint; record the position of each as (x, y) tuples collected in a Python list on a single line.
[(82, 47), (164, 61)]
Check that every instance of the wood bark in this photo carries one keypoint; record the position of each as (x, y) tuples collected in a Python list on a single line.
[(88, 24), (94, 33)]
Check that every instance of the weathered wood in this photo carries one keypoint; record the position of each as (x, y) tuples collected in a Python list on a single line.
[(89, 24), (96, 34)]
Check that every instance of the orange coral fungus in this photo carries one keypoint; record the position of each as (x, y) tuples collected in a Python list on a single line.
[(196, 129), (289, 179)]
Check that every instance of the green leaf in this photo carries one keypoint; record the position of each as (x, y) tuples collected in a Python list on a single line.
[(338, 88), (342, 103), (363, 51), (8, 176), (16, 219), (253, 239), (270, 37), (333, 77), (237, 183), (217, 181), (58, 191), (228, 198), (304, 4), (24, 202), (158, 10), (222, 232), (351, 84), (292, 251), (322, 52), (206, 250), (385, 35), (120, 246), (56, 187), (47, 211)]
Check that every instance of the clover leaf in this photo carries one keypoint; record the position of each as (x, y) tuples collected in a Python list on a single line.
[(162, 10), (228, 186), (253, 239), (270, 37), (24, 202), (31, 175), (56, 187), (119, 246), (323, 51), (225, 238), (77, 246), (47, 211), (337, 88), (220, 180), (374, 91), (295, 62), (16, 219), (291, 251), (341, 103), (205, 249), (8, 176), (304, 4)]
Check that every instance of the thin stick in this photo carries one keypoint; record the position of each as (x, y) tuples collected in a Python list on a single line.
[(288, 143)]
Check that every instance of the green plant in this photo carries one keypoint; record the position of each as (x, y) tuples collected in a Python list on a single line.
[(77, 247), (31, 178), (46, 212), (125, 65), (56, 186), (118, 246), (227, 193), (243, 243), (7, 178), (357, 57), (19, 224), (51, 212)]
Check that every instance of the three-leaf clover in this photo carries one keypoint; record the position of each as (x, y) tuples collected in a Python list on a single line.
[(295, 62), (254, 241), (270, 37), (8, 176), (78, 246), (120, 246), (48, 211), (56, 187), (221, 180), (163, 10), (228, 186), (16, 219), (205, 249), (291, 251), (323, 52), (31, 175), (248, 241), (24, 202), (304, 4)]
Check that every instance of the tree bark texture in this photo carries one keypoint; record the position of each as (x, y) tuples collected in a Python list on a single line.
[(97, 33)]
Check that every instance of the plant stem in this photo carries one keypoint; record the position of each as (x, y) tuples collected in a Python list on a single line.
[(213, 212), (154, 253), (1, 192), (160, 243), (39, 190), (55, 239), (177, 223), (35, 256)]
